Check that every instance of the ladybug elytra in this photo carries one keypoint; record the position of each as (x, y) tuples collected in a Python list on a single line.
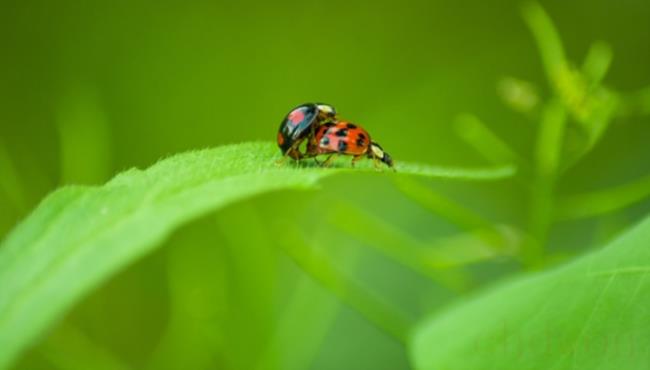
[(300, 124), (348, 139)]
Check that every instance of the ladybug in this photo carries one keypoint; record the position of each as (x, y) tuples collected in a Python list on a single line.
[(300, 124), (348, 139)]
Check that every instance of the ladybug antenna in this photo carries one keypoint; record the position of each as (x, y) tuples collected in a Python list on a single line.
[(388, 160)]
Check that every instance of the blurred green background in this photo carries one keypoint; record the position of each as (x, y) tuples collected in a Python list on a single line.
[(89, 89)]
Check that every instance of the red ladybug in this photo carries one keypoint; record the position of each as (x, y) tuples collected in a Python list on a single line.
[(348, 139)]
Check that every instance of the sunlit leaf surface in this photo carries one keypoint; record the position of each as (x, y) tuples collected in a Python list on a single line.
[(79, 236), (589, 314)]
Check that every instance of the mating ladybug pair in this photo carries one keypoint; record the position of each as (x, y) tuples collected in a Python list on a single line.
[(325, 134)]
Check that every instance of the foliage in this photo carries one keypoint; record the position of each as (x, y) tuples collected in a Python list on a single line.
[(583, 315), (78, 237), (220, 258)]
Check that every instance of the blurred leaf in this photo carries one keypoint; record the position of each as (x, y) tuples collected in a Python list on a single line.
[(473, 247), (588, 314), (602, 106), (597, 63), (603, 201), (79, 236), (598, 104), (519, 95), (579, 90), (570, 84), (548, 151), (572, 87)]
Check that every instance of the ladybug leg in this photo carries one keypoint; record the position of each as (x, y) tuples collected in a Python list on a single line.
[(292, 153), (377, 163), (295, 149), (327, 162), (355, 159)]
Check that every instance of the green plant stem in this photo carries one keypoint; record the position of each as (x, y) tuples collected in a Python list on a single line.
[(462, 217), (442, 205), (539, 222), (597, 63), (548, 150), (550, 136), (477, 134), (547, 38), (398, 246), (602, 201)]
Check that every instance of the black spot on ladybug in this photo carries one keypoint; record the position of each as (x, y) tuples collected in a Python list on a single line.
[(342, 146), (362, 136), (341, 133), (325, 141), (360, 141), (351, 126), (328, 124)]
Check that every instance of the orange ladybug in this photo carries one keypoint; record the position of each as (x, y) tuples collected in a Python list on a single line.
[(348, 139)]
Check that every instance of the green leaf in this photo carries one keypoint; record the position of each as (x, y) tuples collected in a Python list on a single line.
[(603, 201), (78, 237), (589, 314)]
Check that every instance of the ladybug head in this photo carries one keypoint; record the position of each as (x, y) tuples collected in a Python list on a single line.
[(377, 152), (326, 110)]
